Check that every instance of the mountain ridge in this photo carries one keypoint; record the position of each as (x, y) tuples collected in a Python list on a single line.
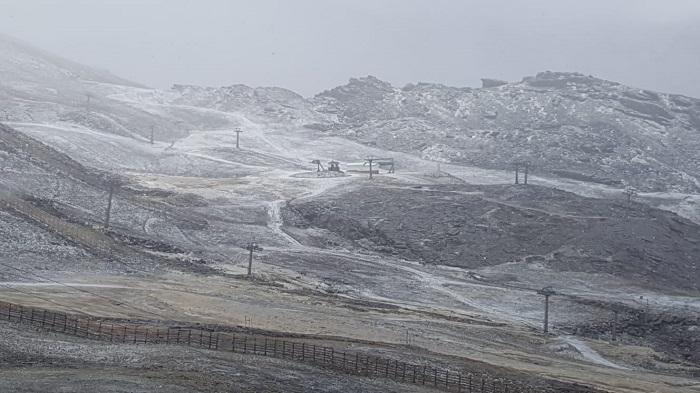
[(580, 124), (567, 124)]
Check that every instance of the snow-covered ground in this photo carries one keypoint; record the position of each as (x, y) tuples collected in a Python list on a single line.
[(245, 191)]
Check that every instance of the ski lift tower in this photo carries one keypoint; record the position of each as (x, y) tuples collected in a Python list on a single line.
[(379, 161), (238, 136), (546, 292)]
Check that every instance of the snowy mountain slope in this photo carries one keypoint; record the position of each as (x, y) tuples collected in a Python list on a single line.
[(39, 87), (55, 184), (23, 65), (567, 124)]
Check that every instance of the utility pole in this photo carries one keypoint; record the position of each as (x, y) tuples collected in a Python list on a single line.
[(238, 134), (645, 312), (546, 292), (527, 168), (152, 127), (370, 160), (525, 165), (252, 247), (109, 205)]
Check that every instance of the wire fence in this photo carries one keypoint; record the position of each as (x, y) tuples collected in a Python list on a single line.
[(80, 234), (355, 363)]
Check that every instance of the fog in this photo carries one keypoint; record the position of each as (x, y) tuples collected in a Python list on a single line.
[(309, 46)]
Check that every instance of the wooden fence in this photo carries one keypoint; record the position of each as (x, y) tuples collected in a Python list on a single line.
[(355, 363)]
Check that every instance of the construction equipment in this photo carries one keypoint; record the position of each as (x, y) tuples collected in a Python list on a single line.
[(319, 165)]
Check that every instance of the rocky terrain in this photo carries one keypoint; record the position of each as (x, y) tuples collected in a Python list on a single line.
[(566, 124), (476, 226), (441, 260)]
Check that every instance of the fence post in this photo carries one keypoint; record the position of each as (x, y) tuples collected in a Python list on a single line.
[(435, 377), (245, 344), (65, 321), (357, 360), (470, 383), (21, 313), (314, 357), (447, 378), (424, 366), (53, 320), (483, 384), (403, 376), (218, 334), (414, 374), (145, 337), (233, 342), (344, 362), (303, 352), (43, 318), (255, 346), (9, 312)]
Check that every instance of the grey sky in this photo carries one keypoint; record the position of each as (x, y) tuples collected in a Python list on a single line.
[(311, 45)]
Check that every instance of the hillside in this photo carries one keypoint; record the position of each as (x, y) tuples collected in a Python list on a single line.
[(475, 226), (566, 124), (39, 87), (438, 262)]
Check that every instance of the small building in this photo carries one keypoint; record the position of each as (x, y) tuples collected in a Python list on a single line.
[(334, 166)]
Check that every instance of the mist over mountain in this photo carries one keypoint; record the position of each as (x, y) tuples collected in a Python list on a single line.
[(369, 218)]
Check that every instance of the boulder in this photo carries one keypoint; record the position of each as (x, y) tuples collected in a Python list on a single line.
[(487, 82)]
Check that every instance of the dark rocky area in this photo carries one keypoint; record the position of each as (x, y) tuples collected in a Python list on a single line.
[(672, 332), (475, 226)]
